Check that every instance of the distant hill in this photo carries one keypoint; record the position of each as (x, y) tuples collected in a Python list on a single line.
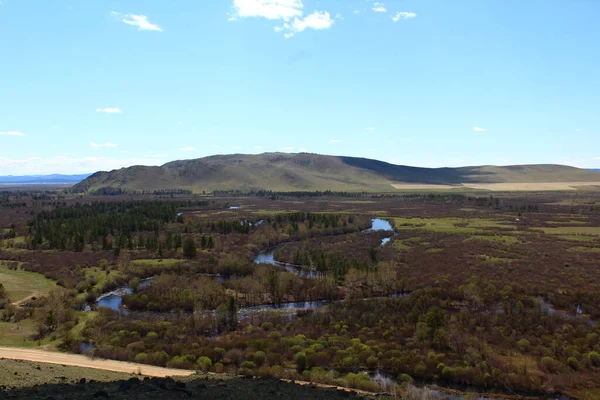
[(43, 179), (306, 172)]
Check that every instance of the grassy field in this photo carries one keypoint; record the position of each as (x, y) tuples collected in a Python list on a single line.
[(505, 239), (452, 225), (26, 374), (23, 284), (572, 230)]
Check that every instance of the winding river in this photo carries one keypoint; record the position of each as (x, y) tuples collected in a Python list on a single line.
[(114, 299)]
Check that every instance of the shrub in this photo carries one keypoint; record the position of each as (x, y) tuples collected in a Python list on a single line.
[(259, 358), (141, 357), (248, 365), (594, 359), (524, 345), (204, 363), (573, 363), (300, 360)]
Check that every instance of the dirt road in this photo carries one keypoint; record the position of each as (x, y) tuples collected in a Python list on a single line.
[(86, 362)]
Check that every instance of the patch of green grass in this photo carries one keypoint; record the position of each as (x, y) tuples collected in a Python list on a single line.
[(496, 260), (506, 239), (572, 222), (401, 246), (433, 250), (581, 249), (22, 284), (571, 230), (578, 238), (165, 262), (452, 225), (18, 334)]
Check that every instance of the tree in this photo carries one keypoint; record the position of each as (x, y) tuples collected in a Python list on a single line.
[(189, 248), (435, 319)]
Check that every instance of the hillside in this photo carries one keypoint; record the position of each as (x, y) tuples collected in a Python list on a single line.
[(304, 172)]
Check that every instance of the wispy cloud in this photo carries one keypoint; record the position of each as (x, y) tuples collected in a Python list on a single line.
[(291, 12), (12, 133), (258, 147), (141, 21), (335, 141), (99, 145), (303, 150), (403, 15), (479, 129), (188, 148), (378, 7), (236, 147), (109, 110), (371, 129), (287, 148), (269, 9)]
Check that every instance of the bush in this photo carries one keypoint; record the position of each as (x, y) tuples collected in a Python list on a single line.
[(550, 365), (524, 345), (372, 362), (141, 358), (300, 360), (259, 358), (204, 363), (248, 365), (573, 363), (594, 359)]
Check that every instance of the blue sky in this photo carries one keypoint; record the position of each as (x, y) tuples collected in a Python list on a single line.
[(100, 84)]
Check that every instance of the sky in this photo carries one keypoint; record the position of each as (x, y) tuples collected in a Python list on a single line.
[(102, 84)]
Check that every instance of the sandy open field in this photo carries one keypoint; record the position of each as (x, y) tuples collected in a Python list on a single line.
[(506, 187), (83, 361)]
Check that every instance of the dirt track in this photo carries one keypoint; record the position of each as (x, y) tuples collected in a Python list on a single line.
[(86, 362)]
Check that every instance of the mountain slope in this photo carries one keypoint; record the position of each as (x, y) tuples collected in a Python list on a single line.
[(288, 172)]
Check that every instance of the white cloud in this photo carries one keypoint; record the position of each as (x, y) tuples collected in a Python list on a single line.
[(378, 7), (188, 148), (356, 12), (236, 147), (372, 150), (12, 133), (109, 110), (339, 16), (287, 148), (303, 150), (371, 128), (335, 141), (142, 23), (478, 129), (180, 123), (105, 144), (291, 12), (403, 15), (317, 20), (258, 147), (66, 164), (270, 9)]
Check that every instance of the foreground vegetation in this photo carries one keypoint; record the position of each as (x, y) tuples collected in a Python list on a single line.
[(458, 293)]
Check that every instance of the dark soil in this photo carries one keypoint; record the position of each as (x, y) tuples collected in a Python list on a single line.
[(163, 389)]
